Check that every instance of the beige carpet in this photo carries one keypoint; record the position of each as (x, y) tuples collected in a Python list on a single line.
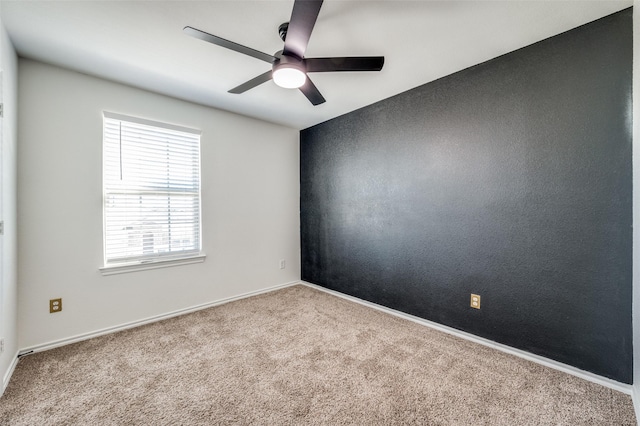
[(296, 356)]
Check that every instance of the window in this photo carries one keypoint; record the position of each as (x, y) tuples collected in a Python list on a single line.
[(151, 192)]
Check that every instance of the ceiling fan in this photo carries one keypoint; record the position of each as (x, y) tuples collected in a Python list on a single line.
[(289, 66)]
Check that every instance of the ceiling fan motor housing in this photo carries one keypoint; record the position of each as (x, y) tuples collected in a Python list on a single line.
[(289, 61)]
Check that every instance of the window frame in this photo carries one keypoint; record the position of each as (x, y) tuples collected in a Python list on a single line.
[(159, 260)]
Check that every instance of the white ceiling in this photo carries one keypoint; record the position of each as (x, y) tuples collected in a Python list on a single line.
[(141, 43)]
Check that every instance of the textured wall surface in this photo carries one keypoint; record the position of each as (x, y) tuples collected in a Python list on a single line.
[(510, 179)]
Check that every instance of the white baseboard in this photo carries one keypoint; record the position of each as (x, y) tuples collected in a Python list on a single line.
[(604, 381), (8, 374), (132, 324)]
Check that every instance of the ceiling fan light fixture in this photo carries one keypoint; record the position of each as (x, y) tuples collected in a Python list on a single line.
[(289, 76)]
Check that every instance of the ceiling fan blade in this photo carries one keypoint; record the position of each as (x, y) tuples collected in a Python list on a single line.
[(362, 63), (229, 44), (303, 18), (262, 78), (312, 93)]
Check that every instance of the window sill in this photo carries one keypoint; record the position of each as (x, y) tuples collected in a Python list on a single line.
[(151, 264)]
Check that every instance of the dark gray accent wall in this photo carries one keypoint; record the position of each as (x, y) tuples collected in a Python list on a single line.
[(510, 179)]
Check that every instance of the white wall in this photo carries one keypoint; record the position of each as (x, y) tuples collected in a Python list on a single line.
[(250, 207), (636, 207), (8, 242)]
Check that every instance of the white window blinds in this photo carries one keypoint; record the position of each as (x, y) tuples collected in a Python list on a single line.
[(151, 190)]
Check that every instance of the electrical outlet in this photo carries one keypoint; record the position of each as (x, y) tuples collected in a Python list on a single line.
[(475, 301), (283, 264), (55, 305), (1, 345)]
